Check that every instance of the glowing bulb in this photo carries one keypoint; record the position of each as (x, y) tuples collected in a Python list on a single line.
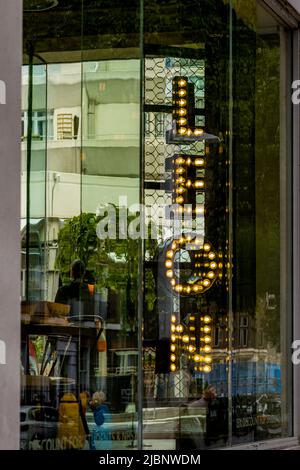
[(207, 369), (191, 348), (173, 318), (206, 247), (173, 367), (182, 130), (180, 190), (174, 245), (207, 339), (213, 265), (188, 162), (180, 200), (169, 273), (198, 131), (173, 328), (197, 358), (179, 161), (195, 288), (170, 254), (211, 255), (179, 328), (173, 357), (182, 121), (180, 180), (199, 184), (211, 275), (207, 329), (207, 349), (199, 162), (185, 338), (181, 92), (188, 290), (180, 170), (173, 338), (207, 319), (182, 82), (173, 282), (178, 288), (182, 102), (206, 283), (199, 210), (182, 112), (188, 184), (173, 347), (168, 263), (208, 359)]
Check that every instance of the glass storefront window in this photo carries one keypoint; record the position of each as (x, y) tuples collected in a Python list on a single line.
[(174, 335)]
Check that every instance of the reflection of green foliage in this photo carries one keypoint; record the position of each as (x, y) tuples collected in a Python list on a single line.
[(112, 262)]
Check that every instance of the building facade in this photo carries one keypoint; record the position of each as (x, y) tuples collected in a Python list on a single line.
[(158, 225)]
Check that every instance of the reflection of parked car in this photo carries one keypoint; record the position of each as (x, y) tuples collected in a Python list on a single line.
[(38, 423)]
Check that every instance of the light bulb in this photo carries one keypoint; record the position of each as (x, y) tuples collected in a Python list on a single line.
[(213, 265), (208, 359), (207, 349), (207, 369), (181, 92), (199, 162), (207, 329), (200, 210), (179, 161), (192, 348), (173, 338), (207, 339), (169, 273), (199, 184), (173, 328), (206, 247), (185, 338), (173, 347), (182, 121), (173, 357), (180, 170), (188, 161), (173, 318), (182, 130), (182, 102), (211, 255), (168, 263), (178, 288), (198, 131), (170, 254), (207, 319), (179, 328), (188, 184), (173, 367), (206, 283), (182, 82), (180, 200), (182, 112), (211, 275), (197, 358)]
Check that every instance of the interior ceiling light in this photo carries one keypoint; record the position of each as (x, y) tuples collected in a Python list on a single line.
[(39, 5)]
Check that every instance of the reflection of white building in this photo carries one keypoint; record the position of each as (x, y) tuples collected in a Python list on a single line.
[(82, 156)]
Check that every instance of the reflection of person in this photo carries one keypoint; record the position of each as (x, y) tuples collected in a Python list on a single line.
[(77, 293), (101, 436)]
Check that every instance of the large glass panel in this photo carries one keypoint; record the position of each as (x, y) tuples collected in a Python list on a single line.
[(216, 369), (79, 308)]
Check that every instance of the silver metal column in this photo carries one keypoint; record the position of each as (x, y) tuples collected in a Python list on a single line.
[(10, 157)]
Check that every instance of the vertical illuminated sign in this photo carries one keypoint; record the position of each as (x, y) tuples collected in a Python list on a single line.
[(190, 251)]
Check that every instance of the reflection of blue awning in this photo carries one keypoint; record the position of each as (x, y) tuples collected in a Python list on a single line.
[(248, 378)]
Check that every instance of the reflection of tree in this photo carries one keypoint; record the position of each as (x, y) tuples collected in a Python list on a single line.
[(267, 181)]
